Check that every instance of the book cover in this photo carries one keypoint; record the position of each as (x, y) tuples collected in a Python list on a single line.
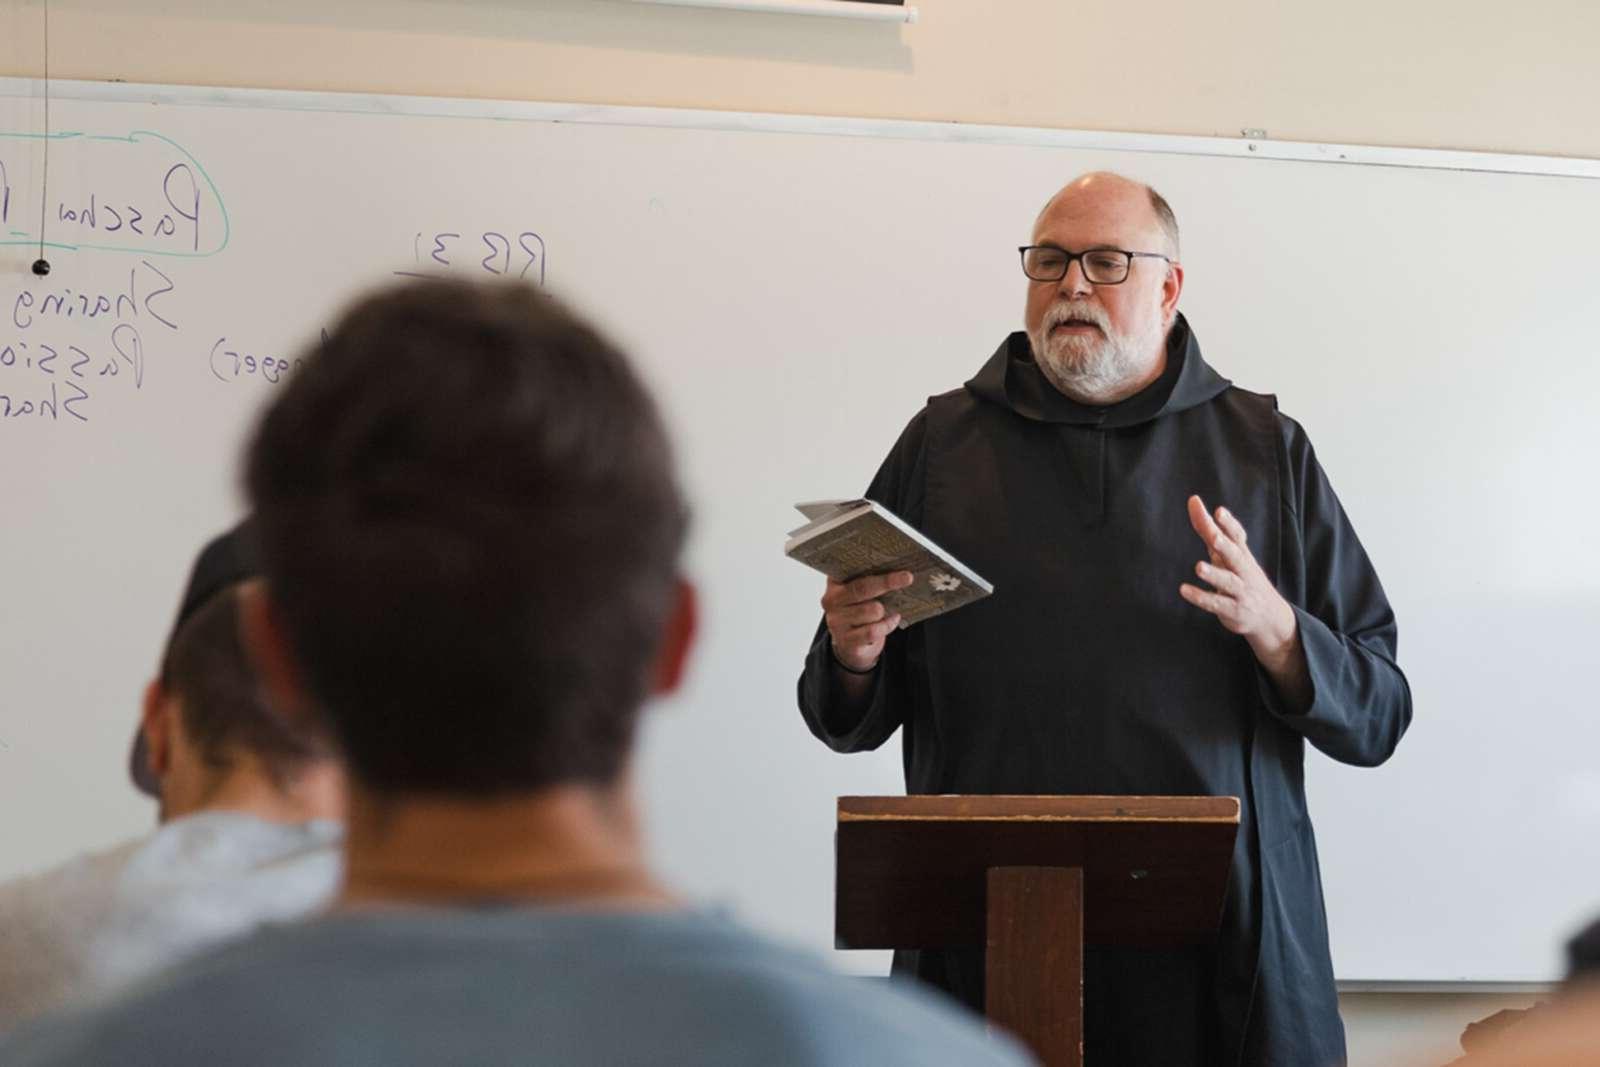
[(848, 539)]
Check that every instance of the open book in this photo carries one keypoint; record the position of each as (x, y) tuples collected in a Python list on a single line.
[(848, 539)]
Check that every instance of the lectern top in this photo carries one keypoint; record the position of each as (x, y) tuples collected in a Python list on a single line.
[(912, 872), (1040, 808)]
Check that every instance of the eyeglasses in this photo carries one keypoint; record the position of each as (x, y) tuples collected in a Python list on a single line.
[(1101, 266)]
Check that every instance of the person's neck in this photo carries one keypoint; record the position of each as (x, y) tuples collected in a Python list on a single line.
[(569, 844), (316, 792)]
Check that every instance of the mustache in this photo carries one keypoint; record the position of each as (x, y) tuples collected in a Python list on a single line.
[(1076, 312)]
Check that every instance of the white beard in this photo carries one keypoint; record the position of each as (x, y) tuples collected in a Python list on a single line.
[(1095, 370)]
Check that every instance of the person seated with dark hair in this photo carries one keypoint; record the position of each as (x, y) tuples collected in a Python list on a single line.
[(471, 526), (248, 835)]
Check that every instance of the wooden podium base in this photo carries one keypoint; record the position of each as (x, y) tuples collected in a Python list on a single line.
[(1033, 961)]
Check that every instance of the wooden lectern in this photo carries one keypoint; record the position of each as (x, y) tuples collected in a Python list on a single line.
[(1032, 879)]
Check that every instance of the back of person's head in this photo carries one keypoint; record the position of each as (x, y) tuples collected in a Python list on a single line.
[(470, 525), (221, 704), (207, 733)]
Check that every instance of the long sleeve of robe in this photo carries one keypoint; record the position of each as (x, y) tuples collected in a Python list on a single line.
[(1087, 673)]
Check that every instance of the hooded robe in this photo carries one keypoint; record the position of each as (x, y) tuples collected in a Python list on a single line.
[(1087, 673)]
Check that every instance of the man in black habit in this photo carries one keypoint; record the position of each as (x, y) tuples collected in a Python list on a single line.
[(1078, 471)]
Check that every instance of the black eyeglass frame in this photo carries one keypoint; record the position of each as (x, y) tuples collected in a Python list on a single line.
[(1127, 267)]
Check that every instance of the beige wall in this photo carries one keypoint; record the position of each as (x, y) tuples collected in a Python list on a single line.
[(1421, 73)]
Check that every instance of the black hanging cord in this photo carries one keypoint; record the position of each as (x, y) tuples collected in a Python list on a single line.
[(41, 266)]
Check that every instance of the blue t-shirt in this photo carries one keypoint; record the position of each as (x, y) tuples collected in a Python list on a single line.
[(498, 986)]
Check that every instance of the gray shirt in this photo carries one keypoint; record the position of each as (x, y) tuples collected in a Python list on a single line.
[(512, 985), (100, 921)]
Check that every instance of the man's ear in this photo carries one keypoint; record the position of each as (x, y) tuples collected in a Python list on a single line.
[(1171, 288), (266, 643), (683, 624), (155, 722)]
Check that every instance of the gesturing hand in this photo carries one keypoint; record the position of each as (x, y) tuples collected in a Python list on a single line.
[(858, 623), (1241, 596)]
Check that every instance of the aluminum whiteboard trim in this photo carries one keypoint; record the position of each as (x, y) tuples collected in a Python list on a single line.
[(1451, 988), (838, 9), (762, 122)]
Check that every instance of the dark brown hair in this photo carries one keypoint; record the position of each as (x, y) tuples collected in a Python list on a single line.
[(220, 700), (468, 516)]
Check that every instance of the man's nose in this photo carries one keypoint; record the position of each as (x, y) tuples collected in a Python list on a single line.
[(1075, 283)]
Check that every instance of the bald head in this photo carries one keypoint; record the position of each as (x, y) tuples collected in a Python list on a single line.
[(1104, 192)]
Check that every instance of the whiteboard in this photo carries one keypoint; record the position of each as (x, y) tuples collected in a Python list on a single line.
[(794, 288)]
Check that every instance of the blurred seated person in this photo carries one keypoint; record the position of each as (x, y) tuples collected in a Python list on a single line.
[(249, 831)]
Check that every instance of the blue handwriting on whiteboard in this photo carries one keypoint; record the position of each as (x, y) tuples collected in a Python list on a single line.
[(147, 284), (179, 190), (489, 251), (142, 193), (48, 380), (231, 365)]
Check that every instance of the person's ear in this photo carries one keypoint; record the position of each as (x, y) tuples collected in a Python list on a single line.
[(683, 624), (155, 721), (266, 644), (1171, 288)]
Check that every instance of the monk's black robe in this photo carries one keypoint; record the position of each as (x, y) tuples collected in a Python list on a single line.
[(1087, 673)]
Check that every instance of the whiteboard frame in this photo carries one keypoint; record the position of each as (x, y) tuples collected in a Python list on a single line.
[(763, 122), (1383, 986), (893, 129)]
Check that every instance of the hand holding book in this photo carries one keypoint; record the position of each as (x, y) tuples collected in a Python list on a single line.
[(858, 622), (882, 574)]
